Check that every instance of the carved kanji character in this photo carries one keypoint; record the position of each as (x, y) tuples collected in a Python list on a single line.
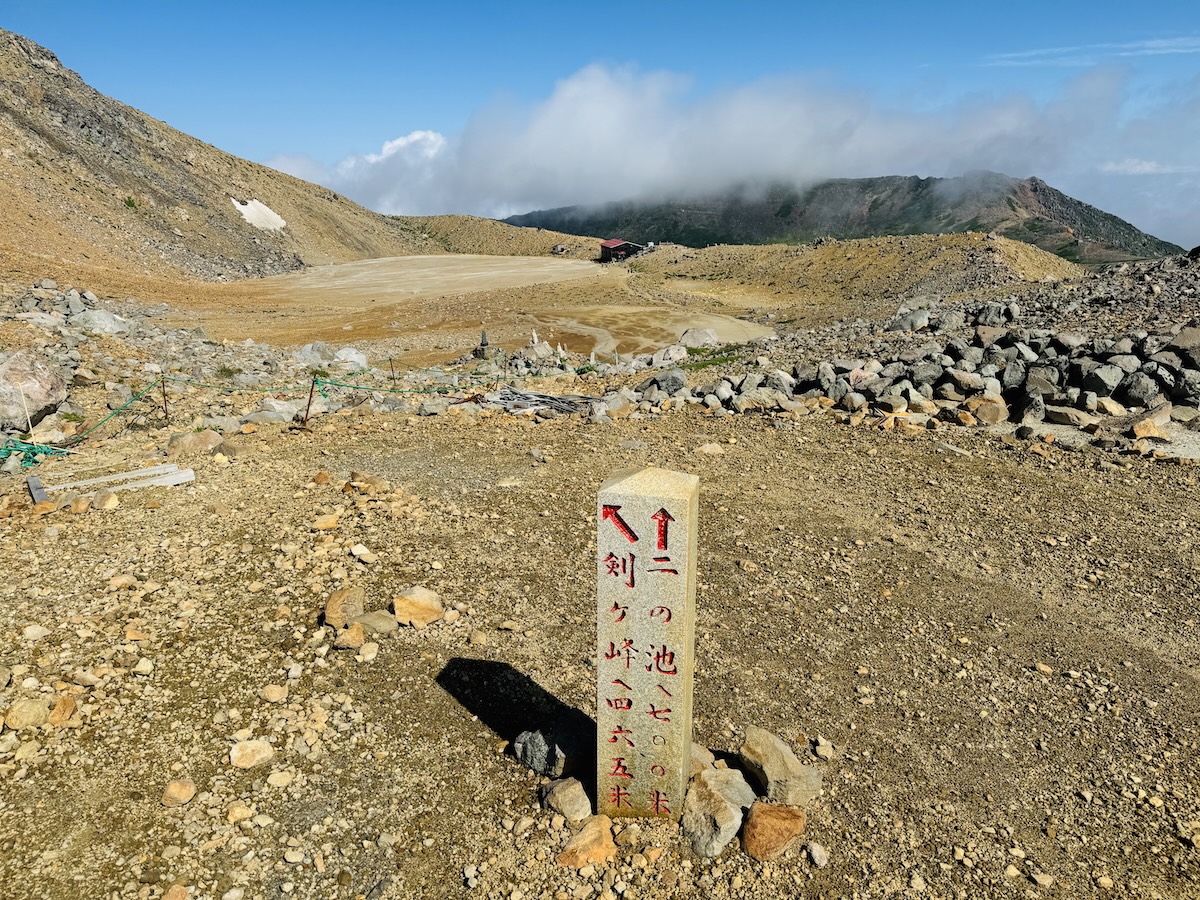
[(621, 733), (664, 661), (619, 796), (662, 715), (619, 770), (659, 801), (620, 611), (663, 566), (661, 612), (626, 650), (621, 567), (621, 704)]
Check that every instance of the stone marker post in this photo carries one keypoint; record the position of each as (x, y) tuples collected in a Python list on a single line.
[(646, 623)]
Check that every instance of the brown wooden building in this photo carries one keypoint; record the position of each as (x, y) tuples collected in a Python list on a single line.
[(618, 249)]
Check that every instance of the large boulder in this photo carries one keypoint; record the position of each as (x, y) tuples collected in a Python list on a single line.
[(28, 385), (1103, 380), (1138, 389), (1186, 344), (669, 356), (352, 359), (910, 321), (757, 398), (699, 337), (193, 443), (314, 355), (100, 321)]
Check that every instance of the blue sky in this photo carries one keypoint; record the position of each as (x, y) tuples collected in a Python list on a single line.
[(494, 108)]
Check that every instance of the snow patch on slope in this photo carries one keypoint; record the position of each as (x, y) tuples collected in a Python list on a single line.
[(259, 215)]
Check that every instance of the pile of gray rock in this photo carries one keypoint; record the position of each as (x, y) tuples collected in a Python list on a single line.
[(1117, 355), (761, 796)]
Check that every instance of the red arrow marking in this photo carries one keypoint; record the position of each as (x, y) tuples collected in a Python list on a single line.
[(613, 515), (662, 517)]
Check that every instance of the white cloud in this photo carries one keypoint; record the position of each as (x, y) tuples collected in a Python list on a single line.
[(1094, 54), (610, 133), (1144, 167)]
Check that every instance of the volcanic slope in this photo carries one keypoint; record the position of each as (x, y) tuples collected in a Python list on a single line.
[(96, 192), (822, 282), (1024, 209)]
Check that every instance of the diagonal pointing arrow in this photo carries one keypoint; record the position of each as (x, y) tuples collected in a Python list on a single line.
[(612, 513), (662, 517)]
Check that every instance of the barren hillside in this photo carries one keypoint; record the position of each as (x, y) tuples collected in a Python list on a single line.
[(823, 281), (91, 189), (472, 234)]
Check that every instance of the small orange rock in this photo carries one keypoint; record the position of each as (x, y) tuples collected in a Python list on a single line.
[(178, 793), (326, 522), (418, 606), (592, 844), (352, 637), (771, 830), (321, 477), (63, 710)]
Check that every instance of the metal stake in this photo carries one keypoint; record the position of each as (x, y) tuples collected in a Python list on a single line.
[(311, 388)]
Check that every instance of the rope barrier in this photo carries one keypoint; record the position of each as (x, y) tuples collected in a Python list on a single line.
[(233, 389), (132, 400)]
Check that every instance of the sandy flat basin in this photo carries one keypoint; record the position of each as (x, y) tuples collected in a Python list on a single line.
[(404, 277), (429, 308)]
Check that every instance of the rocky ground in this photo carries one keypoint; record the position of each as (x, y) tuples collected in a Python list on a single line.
[(986, 644)]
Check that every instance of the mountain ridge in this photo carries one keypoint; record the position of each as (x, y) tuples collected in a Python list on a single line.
[(1027, 209)]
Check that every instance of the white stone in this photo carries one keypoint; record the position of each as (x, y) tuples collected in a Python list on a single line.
[(35, 632), (248, 754)]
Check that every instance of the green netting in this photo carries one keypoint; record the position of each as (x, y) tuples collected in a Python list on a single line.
[(28, 451)]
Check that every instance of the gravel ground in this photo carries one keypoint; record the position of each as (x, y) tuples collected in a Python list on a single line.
[(1001, 646)]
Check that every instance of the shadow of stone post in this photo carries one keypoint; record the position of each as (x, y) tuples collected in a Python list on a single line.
[(509, 702)]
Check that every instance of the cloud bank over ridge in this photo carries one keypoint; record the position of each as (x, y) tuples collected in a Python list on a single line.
[(610, 133)]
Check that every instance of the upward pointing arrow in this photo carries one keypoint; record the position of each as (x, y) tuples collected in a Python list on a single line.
[(662, 517), (612, 513)]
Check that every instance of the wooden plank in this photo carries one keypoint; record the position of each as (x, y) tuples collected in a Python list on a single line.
[(36, 491), (120, 476)]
